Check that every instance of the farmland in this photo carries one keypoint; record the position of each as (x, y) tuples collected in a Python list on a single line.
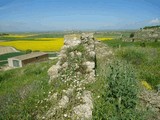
[(37, 41), (41, 45), (4, 57), (24, 42)]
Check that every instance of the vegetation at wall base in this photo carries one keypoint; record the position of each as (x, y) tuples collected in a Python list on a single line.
[(22, 95), (117, 95), (146, 60)]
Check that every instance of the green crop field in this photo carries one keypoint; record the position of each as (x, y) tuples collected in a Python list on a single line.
[(4, 57), (8, 55)]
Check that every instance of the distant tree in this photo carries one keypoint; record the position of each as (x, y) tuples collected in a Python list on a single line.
[(131, 35), (28, 51), (3, 34)]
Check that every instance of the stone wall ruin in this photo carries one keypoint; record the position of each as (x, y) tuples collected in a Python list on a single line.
[(75, 68)]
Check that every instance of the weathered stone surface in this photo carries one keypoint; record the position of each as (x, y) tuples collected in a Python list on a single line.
[(90, 66), (151, 98), (75, 68), (84, 111), (72, 40), (151, 34), (53, 72), (53, 97), (63, 102), (65, 65)]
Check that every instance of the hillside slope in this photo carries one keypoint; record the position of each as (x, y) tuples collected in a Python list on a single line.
[(87, 82)]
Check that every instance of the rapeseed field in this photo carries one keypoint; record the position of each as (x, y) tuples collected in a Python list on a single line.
[(104, 39), (44, 44), (41, 44)]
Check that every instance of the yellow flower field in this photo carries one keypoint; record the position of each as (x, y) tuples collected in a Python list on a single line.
[(42, 45), (49, 39), (104, 38)]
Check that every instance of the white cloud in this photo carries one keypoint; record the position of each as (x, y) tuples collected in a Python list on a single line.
[(155, 21)]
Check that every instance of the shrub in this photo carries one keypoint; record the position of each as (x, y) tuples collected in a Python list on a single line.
[(143, 44), (131, 55), (131, 35), (28, 51), (122, 88), (119, 99)]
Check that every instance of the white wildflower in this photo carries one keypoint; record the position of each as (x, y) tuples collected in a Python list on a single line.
[(65, 115)]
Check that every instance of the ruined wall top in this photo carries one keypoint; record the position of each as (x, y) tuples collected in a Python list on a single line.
[(75, 68)]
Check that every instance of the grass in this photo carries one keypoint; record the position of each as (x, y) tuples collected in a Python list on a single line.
[(117, 97), (3, 63), (115, 92), (112, 34), (116, 43), (21, 94), (144, 59)]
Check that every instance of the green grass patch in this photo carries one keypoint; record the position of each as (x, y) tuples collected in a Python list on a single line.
[(8, 55), (115, 93), (146, 59), (132, 55), (3, 63), (116, 43), (20, 94), (4, 57)]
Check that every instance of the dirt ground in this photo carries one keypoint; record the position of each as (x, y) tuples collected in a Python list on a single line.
[(4, 50)]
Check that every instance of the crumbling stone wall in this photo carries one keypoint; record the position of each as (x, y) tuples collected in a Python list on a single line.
[(145, 35), (151, 100), (74, 69), (78, 56)]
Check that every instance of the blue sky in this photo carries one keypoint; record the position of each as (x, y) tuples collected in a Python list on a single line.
[(50, 15)]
